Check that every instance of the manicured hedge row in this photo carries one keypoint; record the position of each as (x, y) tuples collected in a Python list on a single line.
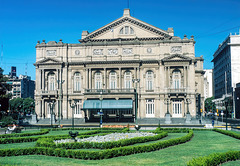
[(102, 129), (215, 159), (41, 132), (32, 139), (109, 145), (229, 133), (96, 155), (180, 130)]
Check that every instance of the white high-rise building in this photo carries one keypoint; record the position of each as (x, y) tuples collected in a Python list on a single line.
[(226, 72), (208, 83)]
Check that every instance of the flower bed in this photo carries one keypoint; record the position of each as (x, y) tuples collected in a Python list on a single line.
[(96, 155)]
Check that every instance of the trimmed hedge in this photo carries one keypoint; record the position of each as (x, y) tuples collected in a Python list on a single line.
[(229, 133), (100, 145), (215, 159), (180, 130), (41, 132), (32, 139), (97, 155), (101, 129)]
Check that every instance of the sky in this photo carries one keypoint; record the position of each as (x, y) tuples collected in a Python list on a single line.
[(24, 22)]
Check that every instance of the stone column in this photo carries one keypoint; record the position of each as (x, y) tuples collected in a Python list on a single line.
[(120, 78), (43, 109), (105, 79), (41, 79), (86, 79), (90, 79)]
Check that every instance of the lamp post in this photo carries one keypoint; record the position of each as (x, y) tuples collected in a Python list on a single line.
[(136, 98), (101, 112), (60, 100), (51, 105), (72, 104), (167, 101)]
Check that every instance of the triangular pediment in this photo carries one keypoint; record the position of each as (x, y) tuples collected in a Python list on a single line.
[(48, 61), (139, 29), (176, 57)]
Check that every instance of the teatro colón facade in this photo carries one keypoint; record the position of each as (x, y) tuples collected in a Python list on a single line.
[(123, 71)]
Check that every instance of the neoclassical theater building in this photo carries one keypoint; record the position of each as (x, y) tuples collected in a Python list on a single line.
[(124, 70)]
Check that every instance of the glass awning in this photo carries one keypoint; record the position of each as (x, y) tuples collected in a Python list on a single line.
[(108, 104)]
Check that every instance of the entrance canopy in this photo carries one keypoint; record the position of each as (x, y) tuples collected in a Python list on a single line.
[(108, 104)]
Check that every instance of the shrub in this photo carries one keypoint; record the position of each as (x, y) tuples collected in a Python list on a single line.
[(215, 159), (229, 133)]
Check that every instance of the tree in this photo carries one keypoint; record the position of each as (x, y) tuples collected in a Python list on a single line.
[(28, 105), (16, 105), (209, 104), (20, 105), (4, 97)]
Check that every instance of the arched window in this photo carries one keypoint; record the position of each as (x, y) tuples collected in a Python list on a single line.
[(51, 81), (98, 80), (149, 80), (128, 80), (176, 79), (77, 81), (126, 30), (113, 80)]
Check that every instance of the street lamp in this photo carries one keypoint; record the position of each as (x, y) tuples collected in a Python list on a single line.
[(51, 105), (60, 100), (73, 104), (167, 101), (136, 98), (101, 112), (228, 104)]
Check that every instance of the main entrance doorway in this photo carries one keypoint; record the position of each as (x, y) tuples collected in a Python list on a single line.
[(177, 108)]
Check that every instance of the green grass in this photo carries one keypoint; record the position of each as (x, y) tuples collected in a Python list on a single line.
[(202, 144), (17, 145), (232, 163)]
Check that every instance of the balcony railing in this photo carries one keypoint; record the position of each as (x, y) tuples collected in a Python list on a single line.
[(107, 91), (176, 90), (49, 92)]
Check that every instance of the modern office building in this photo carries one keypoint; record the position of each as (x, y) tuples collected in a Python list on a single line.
[(123, 70), (22, 86), (226, 72), (208, 83)]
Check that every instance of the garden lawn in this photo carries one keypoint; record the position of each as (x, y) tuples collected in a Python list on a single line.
[(203, 143)]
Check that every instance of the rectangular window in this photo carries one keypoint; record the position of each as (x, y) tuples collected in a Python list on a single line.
[(150, 108)]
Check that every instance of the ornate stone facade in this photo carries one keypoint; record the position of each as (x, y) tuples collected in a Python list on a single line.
[(125, 60)]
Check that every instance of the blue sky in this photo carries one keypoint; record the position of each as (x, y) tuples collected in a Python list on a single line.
[(24, 22)]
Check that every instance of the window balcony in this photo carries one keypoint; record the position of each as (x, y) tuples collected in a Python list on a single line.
[(108, 91), (176, 90), (49, 92)]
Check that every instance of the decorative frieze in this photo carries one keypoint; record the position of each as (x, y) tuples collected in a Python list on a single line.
[(51, 52), (98, 52), (127, 51), (176, 49), (113, 51)]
